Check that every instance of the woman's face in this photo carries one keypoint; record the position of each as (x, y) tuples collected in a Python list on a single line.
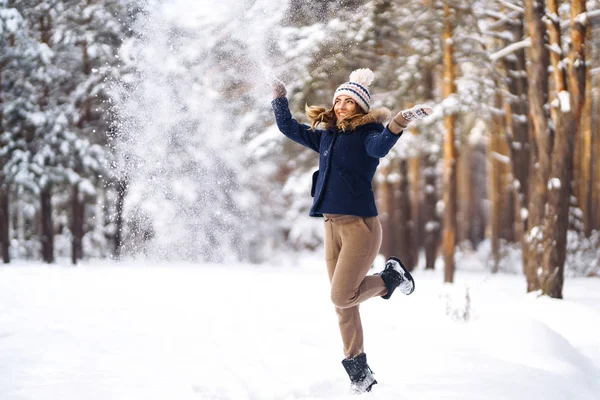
[(344, 107)]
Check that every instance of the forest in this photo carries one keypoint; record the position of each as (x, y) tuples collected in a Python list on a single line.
[(128, 130)]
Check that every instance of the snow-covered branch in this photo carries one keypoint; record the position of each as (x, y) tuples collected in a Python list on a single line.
[(503, 20), (510, 49), (512, 6), (504, 35), (494, 14), (593, 16), (501, 158), (555, 48), (587, 18)]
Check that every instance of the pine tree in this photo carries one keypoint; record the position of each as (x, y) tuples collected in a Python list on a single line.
[(24, 63)]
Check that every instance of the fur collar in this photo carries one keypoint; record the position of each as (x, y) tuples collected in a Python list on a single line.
[(376, 115)]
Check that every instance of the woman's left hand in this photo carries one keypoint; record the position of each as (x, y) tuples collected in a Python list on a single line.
[(404, 117), (419, 111), (278, 88)]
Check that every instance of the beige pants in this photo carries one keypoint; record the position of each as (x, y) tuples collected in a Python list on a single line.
[(351, 245)]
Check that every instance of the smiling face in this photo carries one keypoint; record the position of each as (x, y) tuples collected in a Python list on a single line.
[(344, 107)]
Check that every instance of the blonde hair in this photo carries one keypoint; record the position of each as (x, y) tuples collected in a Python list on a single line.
[(319, 115)]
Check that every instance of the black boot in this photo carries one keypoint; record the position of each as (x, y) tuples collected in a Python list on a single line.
[(395, 275), (361, 376)]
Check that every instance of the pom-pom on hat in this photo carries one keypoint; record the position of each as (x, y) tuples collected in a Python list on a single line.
[(357, 88)]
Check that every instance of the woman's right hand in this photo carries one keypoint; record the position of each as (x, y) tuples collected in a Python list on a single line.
[(278, 88)]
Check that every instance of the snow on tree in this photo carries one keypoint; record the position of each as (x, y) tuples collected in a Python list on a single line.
[(50, 121)]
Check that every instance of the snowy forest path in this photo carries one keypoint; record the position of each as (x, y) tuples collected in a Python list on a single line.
[(259, 332)]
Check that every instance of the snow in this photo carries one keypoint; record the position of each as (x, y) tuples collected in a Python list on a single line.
[(478, 134), (501, 158), (554, 183), (450, 103), (190, 331), (178, 116), (582, 19), (512, 6), (555, 48), (306, 38), (520, 118), (553, 17), (432, 226), (565, 101), (9, 20)]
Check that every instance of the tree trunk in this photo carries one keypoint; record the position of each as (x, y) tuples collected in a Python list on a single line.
[(450, 209), (477, 214), (577, 59), (586, 139), (556, 221), (432, 223), (517, 132), (122, 187), (429, 216), (496, 185), (414, 172), (4, 221), (86, 107), (47, 232), (471, 182), (77, 218), (4, 203), (19, 225), (509, 226), (557, 216), (405, 226), (541, 139), (577, 72), (465, 201), (596, 163), (386, 197)]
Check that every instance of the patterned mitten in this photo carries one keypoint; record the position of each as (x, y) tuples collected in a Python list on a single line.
[(404, 117), (419, 111)]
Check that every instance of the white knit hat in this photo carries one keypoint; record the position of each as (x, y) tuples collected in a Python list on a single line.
[(357, 88)]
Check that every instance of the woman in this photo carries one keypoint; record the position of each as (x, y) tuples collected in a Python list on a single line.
[(352, 141)]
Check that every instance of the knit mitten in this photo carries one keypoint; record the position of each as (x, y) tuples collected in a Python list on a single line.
[(419, 111), (278, 88), (404, 117)]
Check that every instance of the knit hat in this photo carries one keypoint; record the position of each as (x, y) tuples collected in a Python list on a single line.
[(357, 88)]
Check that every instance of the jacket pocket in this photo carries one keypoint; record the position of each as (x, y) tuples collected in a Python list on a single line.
[(350, 181), (315, 177)]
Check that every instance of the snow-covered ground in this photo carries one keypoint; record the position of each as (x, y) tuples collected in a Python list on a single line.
[(131, 331)]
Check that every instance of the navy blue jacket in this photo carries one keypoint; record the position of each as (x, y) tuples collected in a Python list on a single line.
[(347, 161)]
